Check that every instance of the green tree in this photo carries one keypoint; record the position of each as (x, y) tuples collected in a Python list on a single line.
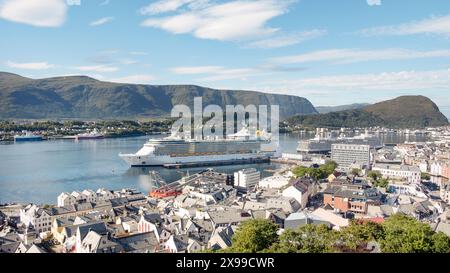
[(254, 236), (374, 175), (441, 243), (425, 176), (360, 233), (355, 171), (404, 234), (300, 171), (382, 183), (306, 239)]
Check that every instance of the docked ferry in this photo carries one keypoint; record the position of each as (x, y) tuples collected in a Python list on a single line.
[(174, 149), (27, 137)]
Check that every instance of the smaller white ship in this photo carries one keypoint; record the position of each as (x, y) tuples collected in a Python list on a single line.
[(90, 135)]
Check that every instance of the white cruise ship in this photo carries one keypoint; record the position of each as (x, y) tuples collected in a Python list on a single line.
[(239, 147)]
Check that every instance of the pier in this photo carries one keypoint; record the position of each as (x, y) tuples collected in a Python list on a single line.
[(216, 163)]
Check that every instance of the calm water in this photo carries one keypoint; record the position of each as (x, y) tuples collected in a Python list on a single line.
[(38, 172)]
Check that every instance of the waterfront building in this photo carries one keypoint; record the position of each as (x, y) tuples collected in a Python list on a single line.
[(246, 179), (411, 174), (348, 155), (36, 217)]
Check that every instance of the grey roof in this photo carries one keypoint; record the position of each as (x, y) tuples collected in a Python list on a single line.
[(153, 217), (228, 216), (98, 227), (205, 225), (181, 242), (100, 243), (65, 221), (141, 243), (9, 247)]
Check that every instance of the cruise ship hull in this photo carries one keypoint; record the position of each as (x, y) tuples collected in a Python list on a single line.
[(152, 160)]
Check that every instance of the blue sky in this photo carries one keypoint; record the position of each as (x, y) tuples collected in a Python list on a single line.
[(331, 52)]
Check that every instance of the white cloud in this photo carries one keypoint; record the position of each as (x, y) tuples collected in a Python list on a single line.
[(288, 39), (40, 13), (104, 3), (434, 25), (30, 66), (374, 2), (73, 2), (171, 5), (388, 81), (128, 61), (101, 21), (358, 55), (230, 21), (98, 68), (135, 79), (217, 73), (192, 70)]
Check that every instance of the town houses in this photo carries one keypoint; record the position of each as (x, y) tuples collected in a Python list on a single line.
[(208, 207)]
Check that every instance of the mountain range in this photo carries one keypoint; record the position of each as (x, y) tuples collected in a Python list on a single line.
[(401, 112), (80, 97), (329, 109)]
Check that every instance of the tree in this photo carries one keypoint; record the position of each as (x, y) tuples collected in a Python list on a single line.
[(306, 239), (355, 171), (359, 233), (441, 243), (404, 234), (374, 175), (300, 171), (382, 183), (329, 167), (317, 173), (425, 176), (254, 236)]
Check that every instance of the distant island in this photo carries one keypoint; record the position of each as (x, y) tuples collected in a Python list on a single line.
[(80, 97), (402, 112)]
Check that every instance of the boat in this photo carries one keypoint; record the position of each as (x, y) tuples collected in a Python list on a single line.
[(179, 151), (90, 135), (27, 137), (323, 142)]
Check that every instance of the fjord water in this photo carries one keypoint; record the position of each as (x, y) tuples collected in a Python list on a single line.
[(38, 172)]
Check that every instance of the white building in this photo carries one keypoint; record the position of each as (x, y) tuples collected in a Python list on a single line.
[(37, 218), (301, 190), (411, 174), (424, 166), (347, 155), (247, 179), (66, 199), (436, 168)]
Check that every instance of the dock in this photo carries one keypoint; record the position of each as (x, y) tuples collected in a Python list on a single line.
[(216, 163)]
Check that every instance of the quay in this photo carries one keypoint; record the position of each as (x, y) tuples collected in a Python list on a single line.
[(216, 163)]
